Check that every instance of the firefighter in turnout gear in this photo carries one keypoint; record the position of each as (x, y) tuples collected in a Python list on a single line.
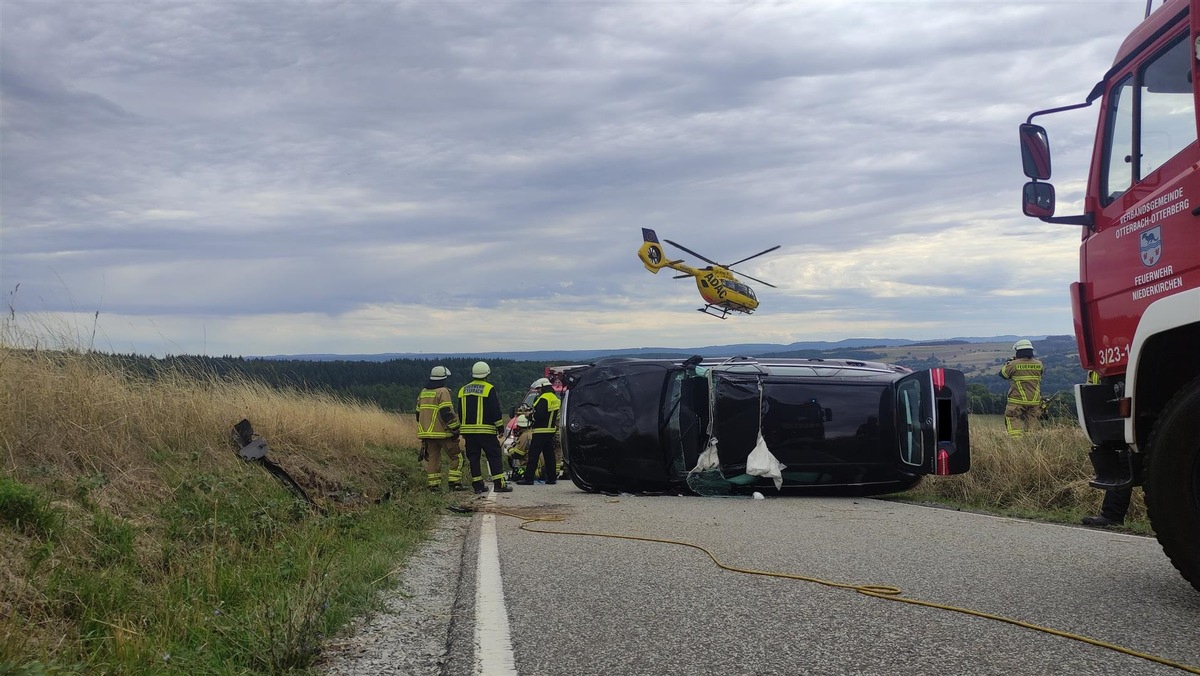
[(438, 430), (479, 411), (545, 424), (1024, 375), (519, 453)]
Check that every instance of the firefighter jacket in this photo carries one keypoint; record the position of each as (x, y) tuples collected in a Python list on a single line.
[(479, 408), (521, 448), (1025, 381), (435, 413), (545, 413)]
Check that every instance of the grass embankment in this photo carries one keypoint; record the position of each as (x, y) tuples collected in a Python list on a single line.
[(133, 539), (1042, 476)]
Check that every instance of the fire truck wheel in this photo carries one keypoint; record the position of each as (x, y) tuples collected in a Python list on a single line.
[(1172, 481)]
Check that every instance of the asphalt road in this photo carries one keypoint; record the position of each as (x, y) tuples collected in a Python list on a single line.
[(601, 605)]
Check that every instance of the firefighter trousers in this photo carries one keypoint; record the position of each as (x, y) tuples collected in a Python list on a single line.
[(1022, 418), (432, 450), (541, 446), (489, 445)]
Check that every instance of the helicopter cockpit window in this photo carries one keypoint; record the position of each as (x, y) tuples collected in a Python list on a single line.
[(738, 287)]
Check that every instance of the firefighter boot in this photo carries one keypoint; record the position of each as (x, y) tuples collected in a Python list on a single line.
[(479, 486), (1114, 469), (501, 486)]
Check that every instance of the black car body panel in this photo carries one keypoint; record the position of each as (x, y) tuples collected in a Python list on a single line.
[(641, 425)]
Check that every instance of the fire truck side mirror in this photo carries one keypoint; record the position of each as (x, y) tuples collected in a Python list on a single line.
[(1038, 200), (1035, 151)]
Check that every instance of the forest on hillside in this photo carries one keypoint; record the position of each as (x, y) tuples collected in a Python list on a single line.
[(394, 384)]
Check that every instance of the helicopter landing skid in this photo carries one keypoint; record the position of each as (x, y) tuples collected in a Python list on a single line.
[(714, 311)]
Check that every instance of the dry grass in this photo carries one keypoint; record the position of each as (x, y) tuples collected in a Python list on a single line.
[(69, 417), (153, 510), (1041, 475)]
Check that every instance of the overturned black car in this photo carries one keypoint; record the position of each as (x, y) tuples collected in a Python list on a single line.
[(741, 424)]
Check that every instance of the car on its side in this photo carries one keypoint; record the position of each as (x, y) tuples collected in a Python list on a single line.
[(837, 426)]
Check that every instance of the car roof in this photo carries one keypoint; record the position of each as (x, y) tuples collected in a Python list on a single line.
[(783, 367)]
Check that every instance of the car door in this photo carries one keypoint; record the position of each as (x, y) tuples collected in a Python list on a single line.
[(931, 429)]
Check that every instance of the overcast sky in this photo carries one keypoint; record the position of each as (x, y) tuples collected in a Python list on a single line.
[(283, 177)]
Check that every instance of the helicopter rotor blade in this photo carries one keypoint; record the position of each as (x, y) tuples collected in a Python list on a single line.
[(680, 246), (755, 256), (742, 274)]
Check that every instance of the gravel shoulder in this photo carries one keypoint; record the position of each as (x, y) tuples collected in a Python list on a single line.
[(410, 633)]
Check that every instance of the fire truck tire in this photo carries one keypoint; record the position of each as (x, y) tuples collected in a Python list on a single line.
[(1172, 481)]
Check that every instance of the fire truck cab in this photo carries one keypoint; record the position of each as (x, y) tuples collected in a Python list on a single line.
[(1136, 305)]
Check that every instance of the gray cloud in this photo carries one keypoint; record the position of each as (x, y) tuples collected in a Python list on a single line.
[(348, 164)]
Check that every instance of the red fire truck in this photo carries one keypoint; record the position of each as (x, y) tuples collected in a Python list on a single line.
[(1137, 302)]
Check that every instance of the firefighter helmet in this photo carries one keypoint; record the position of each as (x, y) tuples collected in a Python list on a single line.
[(480, 370), (1022, 345), (541, 382), (439, 373)]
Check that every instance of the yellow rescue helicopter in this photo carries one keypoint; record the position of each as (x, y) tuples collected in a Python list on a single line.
[(722, 292)]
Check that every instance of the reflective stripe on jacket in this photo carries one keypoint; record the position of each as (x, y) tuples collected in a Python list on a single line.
[(545, 413), (1025, 381), (479, 408), (435, 414)]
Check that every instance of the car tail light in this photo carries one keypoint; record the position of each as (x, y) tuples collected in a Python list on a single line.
[(943, 462)]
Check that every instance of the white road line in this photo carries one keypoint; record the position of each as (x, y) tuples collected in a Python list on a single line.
[(493, 644)]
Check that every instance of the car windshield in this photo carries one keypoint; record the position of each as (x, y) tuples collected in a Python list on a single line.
[(685, 417)]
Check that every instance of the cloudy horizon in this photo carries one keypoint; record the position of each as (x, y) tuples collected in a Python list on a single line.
[(364, 177)]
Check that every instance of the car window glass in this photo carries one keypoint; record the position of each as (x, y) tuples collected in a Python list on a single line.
[(686, 416), (908, 396)]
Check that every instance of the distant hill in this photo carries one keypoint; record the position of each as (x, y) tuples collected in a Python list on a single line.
[(393, 380), (801, 349)]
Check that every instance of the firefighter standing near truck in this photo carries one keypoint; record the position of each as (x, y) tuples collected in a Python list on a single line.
[(438, 430), (479, 411), (545, 424), (1024, 375)]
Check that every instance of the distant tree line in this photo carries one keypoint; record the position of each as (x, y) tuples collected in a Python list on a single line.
[(392, 384)]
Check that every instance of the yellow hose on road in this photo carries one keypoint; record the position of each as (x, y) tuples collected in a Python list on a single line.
[(878, 591)]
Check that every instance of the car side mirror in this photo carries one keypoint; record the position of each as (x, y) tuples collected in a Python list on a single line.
[(1035, 151), (1038, 200)]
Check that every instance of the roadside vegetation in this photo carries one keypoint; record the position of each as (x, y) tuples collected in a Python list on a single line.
[(133, 539), (1042, 476)]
